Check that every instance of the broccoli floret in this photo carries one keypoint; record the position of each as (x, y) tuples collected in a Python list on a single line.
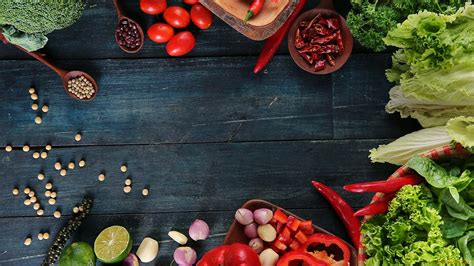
[(40, 16)]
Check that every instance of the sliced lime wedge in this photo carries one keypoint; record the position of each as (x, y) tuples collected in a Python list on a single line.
[(113, 244)]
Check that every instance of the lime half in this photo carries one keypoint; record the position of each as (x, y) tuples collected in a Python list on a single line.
[(113, 244)]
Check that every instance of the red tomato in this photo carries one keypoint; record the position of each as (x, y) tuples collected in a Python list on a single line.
[(177, 17), (153, 7), (181, 44), (201, 16), (160, 32), (191, 2)]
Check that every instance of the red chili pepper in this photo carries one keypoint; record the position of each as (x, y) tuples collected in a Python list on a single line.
[(230, 255), (320, 65), (280, 216), (339, 41), (327, 241), (254, 9), (330, 60), (386, 186), (299, 256), (378, 207), (271, 44), (343, 210)]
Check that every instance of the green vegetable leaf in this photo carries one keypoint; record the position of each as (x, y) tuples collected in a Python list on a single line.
[(401, 150), (452, 227), (29, 41), (434, 174), (466, 246), (460, 210), (454, 193), (461, 129)]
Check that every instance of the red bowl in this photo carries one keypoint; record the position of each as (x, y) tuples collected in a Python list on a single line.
[(236, 230)]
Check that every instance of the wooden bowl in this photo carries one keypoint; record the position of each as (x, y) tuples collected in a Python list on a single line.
[(236, 230), (340, 60)]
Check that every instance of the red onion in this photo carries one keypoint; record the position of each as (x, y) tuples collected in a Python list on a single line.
[(263, 215), (130, 260), (199, 230), (256, 244), (185, 256), (244, 216), (250, 230)]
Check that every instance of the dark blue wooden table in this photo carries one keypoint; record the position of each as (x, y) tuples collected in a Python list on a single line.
[(202, 132)]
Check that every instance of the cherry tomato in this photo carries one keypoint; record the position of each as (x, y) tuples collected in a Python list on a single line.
[(177, 17), (160, 32), (201, 16), (191, 2), (181, 44), (153, 7)]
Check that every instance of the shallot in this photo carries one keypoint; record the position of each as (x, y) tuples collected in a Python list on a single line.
[(256, 244), (262, 216), (185, 256), (268, 257), (244, 216), (130, 260), (266, 232), (199, 230), (250, 230)]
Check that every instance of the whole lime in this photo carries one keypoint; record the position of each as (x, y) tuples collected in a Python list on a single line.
[(78, 253)]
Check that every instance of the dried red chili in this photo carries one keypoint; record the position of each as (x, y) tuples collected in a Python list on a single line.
[(319, 41)]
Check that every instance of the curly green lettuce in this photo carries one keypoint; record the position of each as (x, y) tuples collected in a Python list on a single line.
[(409, 234)]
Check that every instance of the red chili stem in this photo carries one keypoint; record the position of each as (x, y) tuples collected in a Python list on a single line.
[(386, 186), (254, 9), (272, 43), (377, 207), (343, 210)]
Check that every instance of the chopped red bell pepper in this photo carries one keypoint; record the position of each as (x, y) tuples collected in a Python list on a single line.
[(286, 233), (327, 240), (293, 223), (307, 227), (280, 245), (280, 216), (295, 245), (292, 257), (301, 237)]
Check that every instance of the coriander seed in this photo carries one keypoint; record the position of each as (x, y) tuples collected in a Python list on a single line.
[(26, 148), (127, 189), (47, 193), (48, 185), (81, 87), (53, 195), (78, 137), (51, 201), (63, 172), (31, 194), (101, 177), (57, 214), (15, 191), (45, 108), (33, 199), (27, 202), (26, 190), (71, 165), (128, 181), (34, 106), (58, 166), (38, 120), (145, 192), (40, 236), (40, 212), (27, 241), (36, 206), (40, 176), (48, 147), (44, 155), (36, 155), (45, 235), (8, 148), (123, 168), (75, 210), (34, 96), (31, 90), (82, 163)]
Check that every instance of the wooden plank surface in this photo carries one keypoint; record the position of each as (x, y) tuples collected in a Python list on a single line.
[(203, 132)]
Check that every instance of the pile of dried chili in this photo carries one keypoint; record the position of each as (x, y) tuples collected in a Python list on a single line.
[(319, 41)]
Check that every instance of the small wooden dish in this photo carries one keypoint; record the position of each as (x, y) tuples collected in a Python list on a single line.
[(262, 26), (326, 9), (236, 230)]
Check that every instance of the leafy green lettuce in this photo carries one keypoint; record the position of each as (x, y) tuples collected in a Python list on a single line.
[(433, 67), (410, 233), (461, 129)]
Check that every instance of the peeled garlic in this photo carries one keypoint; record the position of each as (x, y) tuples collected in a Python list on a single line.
[(148, 250), (178, 237)]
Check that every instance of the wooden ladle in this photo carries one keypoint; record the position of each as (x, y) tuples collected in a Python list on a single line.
[(121, 18), (65, 75)]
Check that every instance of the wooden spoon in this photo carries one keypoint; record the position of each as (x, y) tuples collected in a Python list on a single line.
[(121, 19), (65, 75)]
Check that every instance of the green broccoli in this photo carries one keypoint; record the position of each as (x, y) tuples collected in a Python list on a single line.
[(35, 16), (33, 19)]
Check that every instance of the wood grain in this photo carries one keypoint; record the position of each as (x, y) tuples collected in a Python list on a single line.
[(93, 36)]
